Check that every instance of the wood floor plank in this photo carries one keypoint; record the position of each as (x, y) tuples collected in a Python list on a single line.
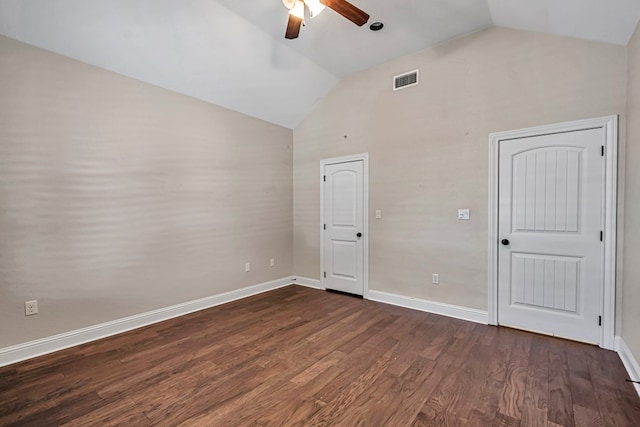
[(405, 394), (582, 392), (560, 409), (298, 357), (440, 335), (338, 404), (297, 407), (587, 417), (512, 397), (483, 374), (536, 395), (443, 405), (318, 368), (615, 402)]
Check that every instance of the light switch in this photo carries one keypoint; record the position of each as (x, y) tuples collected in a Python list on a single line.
[(378, 214), (463, 214)]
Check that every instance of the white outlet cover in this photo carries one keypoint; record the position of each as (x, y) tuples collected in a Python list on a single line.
[(378, 214), (247, 267), (30, 308), (463, 214)]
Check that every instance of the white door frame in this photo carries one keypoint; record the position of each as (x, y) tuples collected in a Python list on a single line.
[(610, 126), (345, 159)]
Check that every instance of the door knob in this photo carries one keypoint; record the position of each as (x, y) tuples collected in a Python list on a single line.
[(359, 235), (505, 242)]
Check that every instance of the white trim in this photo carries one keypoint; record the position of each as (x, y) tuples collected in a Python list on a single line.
[(492, 268), (309, 283), (610, 126), (344, 159), (31, 349), (443, 309), (629, 362)]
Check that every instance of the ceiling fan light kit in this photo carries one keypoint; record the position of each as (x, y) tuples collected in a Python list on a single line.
[(315, 7), (297, 10)]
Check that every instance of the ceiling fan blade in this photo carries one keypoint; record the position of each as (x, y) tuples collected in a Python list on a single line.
[(293, 27), (349, 11)]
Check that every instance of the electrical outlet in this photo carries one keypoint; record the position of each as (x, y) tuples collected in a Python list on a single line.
[(31, 308), (247, 266), (435, 278), (272, 262)]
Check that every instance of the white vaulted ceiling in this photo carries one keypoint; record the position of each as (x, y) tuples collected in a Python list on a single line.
[(233, 52)]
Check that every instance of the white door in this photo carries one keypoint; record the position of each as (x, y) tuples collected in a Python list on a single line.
[(550, 213), (343, 245)]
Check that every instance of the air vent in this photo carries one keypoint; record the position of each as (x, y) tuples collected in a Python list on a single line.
[(405, 80)]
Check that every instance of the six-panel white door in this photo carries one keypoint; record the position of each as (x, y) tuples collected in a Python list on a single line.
[(343, 268), (550, 261)]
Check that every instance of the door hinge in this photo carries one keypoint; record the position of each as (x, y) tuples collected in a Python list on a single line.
[(601, 236), (602, 151), (325, 274), (325, 226), (325, 178), (599, 320)]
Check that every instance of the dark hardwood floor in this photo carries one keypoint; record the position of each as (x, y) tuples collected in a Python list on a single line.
[(297, 356)]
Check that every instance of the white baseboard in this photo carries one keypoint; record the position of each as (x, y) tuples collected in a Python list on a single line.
[(629, 362), (444, 309), (309, 283), (28, 350), (464, 313)]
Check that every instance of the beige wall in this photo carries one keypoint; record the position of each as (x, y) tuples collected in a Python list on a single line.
[(428, 148), (631, 291), (118, 197)]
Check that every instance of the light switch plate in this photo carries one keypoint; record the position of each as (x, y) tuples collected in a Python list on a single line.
[(378, 214), (463, 214)]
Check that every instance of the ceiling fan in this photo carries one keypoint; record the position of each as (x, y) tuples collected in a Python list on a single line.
[(297, 11)]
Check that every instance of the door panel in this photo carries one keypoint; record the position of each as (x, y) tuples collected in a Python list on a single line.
[(345, 259), (550, 211), (543, 281), (344, 188), (343, 256), (546, 190)]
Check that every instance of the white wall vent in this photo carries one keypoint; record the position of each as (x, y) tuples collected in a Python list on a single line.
[(405, 80)]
